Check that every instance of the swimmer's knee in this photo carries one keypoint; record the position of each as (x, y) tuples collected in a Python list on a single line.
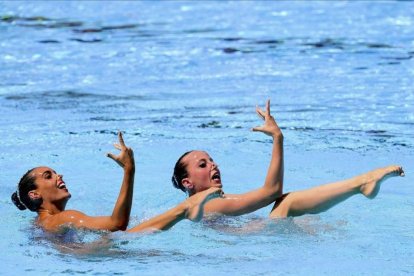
[(278, 214), (281, 207)]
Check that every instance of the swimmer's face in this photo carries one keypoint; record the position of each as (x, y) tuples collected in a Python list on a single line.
[(50, 186), (202, 172)]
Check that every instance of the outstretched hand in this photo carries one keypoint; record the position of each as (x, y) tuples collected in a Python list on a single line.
[(125, 158), (270, 126)]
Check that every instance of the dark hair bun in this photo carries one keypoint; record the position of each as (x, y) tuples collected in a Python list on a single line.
[(17, 202)]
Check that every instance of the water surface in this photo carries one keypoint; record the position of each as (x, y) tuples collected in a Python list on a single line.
[(180, 75)]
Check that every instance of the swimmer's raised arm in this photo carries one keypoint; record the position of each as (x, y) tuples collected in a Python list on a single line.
[(125, 159), (238, 204), (119, 218), (274, 178)]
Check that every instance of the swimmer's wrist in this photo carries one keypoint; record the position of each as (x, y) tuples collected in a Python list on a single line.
[(277, 136), (129, 168)]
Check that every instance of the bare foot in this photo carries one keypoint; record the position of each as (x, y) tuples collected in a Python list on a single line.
[(195, 203), (374, 179)]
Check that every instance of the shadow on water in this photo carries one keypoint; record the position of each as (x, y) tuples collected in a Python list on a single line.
[(49, 41), (326, 43), (68, 99), (50, 23), (93, 40), (232, 45), (107, 28), (78, 27), (39, 22), (305, 46)]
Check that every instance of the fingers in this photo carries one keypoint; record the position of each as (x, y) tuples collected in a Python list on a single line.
[(128, 149), (268, 107), (121, 139), (401, 171), (121, 144), (215, 192), (260, 112), (118, 146), (110, 155), (259, 128), (264, 114), (220, 192), (131, 152)]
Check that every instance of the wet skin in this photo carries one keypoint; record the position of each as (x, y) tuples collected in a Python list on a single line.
[(53, 217), (50, 187), (203, 172)]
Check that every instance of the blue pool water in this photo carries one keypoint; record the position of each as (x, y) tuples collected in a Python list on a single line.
[(181, 75)]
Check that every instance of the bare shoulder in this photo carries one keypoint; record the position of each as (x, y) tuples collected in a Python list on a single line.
[(225, 205), (64, 218), (239, 204)]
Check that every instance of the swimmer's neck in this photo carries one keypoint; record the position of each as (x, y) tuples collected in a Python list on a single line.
[(49, 209), (193, 192)]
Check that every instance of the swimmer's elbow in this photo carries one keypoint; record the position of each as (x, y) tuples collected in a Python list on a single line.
[(119, 225), (122, 227), (273, 192), (277, 194)]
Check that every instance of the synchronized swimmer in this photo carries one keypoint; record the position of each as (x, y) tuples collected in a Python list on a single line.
[(42, 190), (195, 172)]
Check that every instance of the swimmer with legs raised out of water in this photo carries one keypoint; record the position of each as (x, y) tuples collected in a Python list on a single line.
[(42, 190), (195, 172)]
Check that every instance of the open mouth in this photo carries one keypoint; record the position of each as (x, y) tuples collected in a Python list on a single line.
[(216, 176), (61, 185)]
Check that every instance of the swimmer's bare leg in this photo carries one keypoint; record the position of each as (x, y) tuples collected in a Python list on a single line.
[(322, 198), (192, 208)]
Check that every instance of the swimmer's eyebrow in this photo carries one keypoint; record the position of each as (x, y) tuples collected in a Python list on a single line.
[(205, 160), (202, 160), (48, 171)]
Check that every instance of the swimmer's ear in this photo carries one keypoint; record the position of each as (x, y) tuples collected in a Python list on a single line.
[(34, 195), (187, 184)]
